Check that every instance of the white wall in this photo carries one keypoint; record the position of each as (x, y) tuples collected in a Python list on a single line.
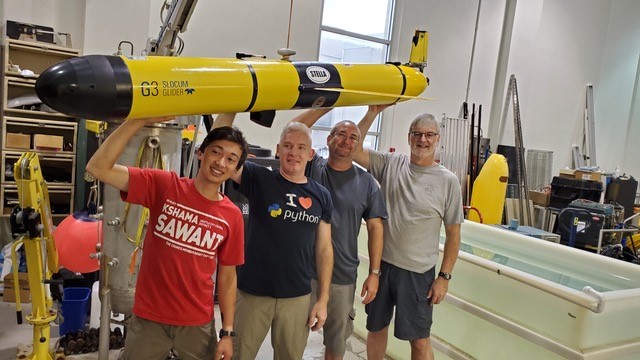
[(617, 120), (557, 48), (63, 15), (553, 64), (112, 21)]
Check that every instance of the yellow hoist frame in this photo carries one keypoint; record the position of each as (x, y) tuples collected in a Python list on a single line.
[(33, 216)]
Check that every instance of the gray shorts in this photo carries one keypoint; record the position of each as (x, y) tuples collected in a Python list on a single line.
[(149, 340), (407, 292), (340, 316)]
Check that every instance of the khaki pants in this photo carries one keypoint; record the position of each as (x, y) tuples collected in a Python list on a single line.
[(149, 340), (287, 319)]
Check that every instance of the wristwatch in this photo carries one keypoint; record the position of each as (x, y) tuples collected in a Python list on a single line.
[(224, 333), (375, 271), (444, 275)]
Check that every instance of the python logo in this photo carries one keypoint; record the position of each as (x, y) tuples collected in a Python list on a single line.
[(274, 210)]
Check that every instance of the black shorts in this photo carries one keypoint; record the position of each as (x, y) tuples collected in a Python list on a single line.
[(407, 292)]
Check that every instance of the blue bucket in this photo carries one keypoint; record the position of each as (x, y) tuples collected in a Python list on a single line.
[(75, 304)]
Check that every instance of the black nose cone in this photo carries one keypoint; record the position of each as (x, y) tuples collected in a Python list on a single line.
[(91, 87)]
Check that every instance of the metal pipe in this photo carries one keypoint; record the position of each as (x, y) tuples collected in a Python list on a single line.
[(514, 328), (602, 231), (105, 310), (630, 218), (478, 138), (448, 349), (598, 295), (495, 125), (192, 153), (105, 325), (470, 157), (473, 51), (613, 352), (588, 300)]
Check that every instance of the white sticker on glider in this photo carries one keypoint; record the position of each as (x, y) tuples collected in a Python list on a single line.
[(318, 75)]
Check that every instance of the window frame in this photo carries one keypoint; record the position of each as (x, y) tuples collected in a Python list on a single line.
[(386, 43)]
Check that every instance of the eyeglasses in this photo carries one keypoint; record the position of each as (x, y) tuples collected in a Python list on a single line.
[(417, 135), (343, 136)]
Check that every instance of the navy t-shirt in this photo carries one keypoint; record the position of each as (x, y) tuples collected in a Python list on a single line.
[(282, 226)]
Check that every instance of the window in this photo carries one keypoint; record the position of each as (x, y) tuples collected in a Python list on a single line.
[(354, 31)]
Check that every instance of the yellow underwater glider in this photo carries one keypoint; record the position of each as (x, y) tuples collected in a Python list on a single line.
[(117, 87)]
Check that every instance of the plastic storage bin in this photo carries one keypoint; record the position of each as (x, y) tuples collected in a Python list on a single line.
[(564, 191), (75, 304)]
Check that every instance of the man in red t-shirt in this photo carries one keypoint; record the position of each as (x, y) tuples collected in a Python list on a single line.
[(191, 226)]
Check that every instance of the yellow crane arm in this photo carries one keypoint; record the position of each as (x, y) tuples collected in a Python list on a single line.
[(32, 219)]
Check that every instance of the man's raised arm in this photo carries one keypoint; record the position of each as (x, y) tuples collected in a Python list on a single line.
[(225, 119), (102, 164), (362, 155), (309, 117)]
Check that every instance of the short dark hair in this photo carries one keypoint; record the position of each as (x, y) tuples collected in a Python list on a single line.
[(232, 134), (343, 122)]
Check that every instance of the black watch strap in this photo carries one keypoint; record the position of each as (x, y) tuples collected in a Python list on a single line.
[(224, 333), (444, 275)]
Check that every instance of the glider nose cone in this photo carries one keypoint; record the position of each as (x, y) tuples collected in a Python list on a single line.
[(57, 86), (94, 87)]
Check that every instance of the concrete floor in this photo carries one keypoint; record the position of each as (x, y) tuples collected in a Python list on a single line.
[(14, 336)]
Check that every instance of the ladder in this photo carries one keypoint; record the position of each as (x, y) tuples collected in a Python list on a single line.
[(525, 213), (589, 139), (587, 158)]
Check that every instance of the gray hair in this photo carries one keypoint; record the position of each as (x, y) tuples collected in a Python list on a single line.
[(295, 126), (425, 119)]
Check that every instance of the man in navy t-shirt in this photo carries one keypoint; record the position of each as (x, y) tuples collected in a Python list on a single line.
[(289, 228)]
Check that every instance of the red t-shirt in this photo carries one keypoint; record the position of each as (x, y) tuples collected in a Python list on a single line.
[(186, 234)]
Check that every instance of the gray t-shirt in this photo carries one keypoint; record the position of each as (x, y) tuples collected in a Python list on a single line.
[(419, 199), (356, 196)]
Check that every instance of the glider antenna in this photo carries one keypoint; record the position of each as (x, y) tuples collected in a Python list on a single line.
[(286, 53), (290, 19)]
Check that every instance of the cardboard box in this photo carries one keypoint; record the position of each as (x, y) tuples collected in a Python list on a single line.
[(539, 197), (588, 175), (17, 141), (47, 142), (10, 292), (568, 173), (10, 296)]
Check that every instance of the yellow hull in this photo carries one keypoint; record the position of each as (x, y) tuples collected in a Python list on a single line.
[(110, 87), (489, 190)]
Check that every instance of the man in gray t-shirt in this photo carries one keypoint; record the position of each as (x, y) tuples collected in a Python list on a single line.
[(356, 196), (421, 195)]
